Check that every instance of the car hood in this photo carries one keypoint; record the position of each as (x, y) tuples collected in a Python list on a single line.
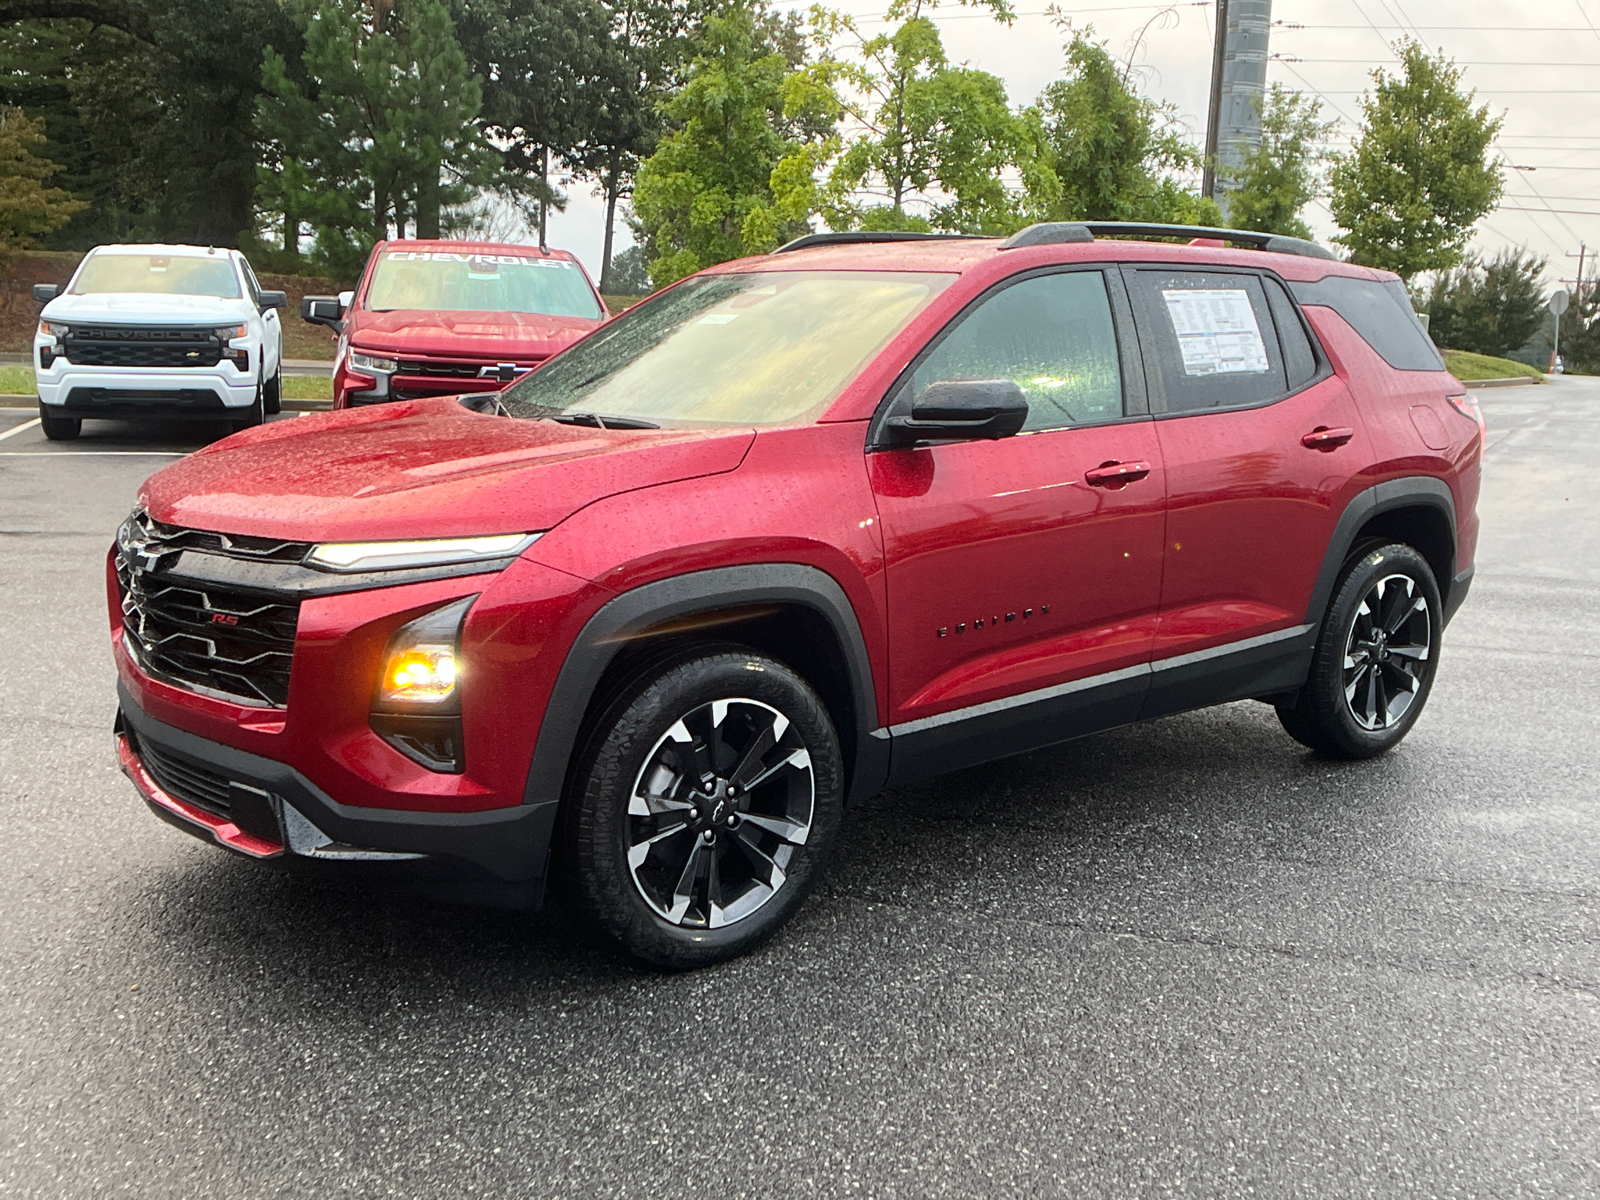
[(473, 334), (144, 308), (420, 469)]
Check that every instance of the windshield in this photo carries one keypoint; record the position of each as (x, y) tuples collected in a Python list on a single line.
[(450, 281), (757, 349), (172, 275)]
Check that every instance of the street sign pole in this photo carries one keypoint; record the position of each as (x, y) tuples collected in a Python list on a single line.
[(1558, 305)]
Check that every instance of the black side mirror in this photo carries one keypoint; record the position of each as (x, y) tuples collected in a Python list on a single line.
[(46, 292), (274, 300), (961, 410), (321, 310)]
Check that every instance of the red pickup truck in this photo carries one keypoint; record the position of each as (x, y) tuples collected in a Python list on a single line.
[(439, 318)]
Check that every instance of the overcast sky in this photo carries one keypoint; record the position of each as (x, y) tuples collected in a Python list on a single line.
[(1534, 60)]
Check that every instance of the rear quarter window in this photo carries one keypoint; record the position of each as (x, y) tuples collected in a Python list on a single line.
[(1381, 313)]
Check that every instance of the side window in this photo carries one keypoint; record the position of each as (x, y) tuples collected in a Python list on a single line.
[(250, 283), (1053, 335), (1299, 359), (1209, 339), (1381, 313)]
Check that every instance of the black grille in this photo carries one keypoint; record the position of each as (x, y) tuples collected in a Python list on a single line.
[(114, 346), (210, 638), (435, 369), (185, 780)]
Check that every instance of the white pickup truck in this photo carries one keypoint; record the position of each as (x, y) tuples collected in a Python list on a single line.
[(158, 331)]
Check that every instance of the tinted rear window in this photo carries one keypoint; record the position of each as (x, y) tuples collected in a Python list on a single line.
[(1381, 313)]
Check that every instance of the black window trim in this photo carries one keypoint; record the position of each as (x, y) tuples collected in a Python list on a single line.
[(1156, 393), (1135, 392)]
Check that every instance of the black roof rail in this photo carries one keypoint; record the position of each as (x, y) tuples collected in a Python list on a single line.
[(1057, 232), (855, 236)]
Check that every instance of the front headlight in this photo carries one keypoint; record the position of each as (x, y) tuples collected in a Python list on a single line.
[(228, 332), (437, 552), (53, 329), (372, 362)]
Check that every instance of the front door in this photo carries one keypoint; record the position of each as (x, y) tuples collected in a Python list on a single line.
[(1023, 574)]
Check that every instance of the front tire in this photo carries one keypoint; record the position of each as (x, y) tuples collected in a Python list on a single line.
[(272, 394), (59, 429), (706, 804), (253, 415), (1375, 657)]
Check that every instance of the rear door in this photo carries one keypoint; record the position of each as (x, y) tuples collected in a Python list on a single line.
[(1262, 444), (1023, 580)]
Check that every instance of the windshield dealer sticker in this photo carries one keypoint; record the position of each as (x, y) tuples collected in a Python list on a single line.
[(495, 260), (1217, 331), (718, 319)]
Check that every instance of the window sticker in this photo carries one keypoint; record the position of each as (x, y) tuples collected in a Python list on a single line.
[(1217, 331)]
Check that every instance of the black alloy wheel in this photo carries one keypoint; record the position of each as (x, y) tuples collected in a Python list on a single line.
[(1375, 657), (712, 792), (1387, 655)]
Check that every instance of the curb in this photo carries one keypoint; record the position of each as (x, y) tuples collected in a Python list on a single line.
[(1518, 381)]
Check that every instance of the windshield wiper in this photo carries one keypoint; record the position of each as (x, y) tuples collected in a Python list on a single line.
[(599, 421)]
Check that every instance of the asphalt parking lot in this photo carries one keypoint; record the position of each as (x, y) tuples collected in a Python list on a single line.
[(1182, 959)]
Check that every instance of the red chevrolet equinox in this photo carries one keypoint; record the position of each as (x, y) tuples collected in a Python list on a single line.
[(439, 318), (868, 509)]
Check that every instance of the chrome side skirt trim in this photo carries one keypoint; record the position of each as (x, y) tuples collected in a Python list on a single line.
[(1055, 691)]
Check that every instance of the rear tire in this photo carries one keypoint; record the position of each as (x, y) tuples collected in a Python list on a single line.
[(706, 803), (59, 429), (1375, 657), (272, 394)]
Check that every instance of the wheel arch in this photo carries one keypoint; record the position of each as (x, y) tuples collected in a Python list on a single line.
[(794, 612), (1417, 510)]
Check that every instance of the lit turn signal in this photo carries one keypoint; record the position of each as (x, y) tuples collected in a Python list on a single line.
[(421, 674)]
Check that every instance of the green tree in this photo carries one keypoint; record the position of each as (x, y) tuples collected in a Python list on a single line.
[(1108, 153), (1280, 176), (27, 207), (150, 105), (1420, 176), (1488, 307), (924, 123), (383, 112), (736, 172)]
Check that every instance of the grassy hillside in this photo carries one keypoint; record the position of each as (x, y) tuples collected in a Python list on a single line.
[(1466, 366)]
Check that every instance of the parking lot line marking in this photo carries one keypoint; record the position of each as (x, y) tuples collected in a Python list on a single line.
[(12, 432), (91, 453)]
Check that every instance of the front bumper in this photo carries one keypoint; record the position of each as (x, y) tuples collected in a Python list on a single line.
[(267, 810), (129, 392)]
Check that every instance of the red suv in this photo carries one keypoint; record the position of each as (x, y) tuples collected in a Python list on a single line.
[(439, 318), (868, 509)]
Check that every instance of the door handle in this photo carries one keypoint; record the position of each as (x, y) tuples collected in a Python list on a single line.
[(1323, 438), (1116, 474)]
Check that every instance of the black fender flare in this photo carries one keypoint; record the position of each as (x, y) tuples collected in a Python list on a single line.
[(1407, 492), (605, 634)]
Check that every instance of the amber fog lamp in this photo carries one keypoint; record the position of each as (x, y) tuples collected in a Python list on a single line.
[(419, 675), (416, 705)]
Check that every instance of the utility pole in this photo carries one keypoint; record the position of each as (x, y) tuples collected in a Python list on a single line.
[(1219, 51), (1577, 287)]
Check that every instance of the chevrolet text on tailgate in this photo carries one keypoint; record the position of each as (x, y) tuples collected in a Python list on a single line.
[(865, 510), (441, 318)]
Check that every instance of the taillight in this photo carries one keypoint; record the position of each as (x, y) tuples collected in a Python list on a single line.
[(1467, 405)]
